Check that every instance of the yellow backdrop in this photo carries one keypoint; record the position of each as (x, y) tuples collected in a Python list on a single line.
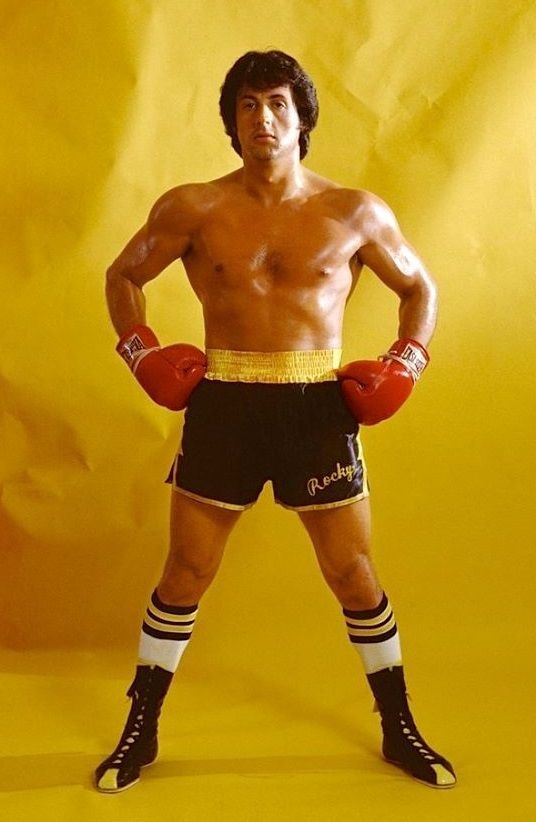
[(432, 106)]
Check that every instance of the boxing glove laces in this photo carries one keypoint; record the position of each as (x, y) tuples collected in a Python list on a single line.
[(375, 389), (168, 375)]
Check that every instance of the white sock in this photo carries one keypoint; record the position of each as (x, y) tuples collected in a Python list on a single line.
[(165, 633), (375, 636)]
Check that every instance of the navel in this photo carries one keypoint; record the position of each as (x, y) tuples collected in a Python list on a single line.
[(274, 262)]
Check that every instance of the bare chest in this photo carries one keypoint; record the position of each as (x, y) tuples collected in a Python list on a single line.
[(280, 246)]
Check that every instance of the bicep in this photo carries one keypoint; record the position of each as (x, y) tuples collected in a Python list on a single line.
[(163, 239), (389, 255)]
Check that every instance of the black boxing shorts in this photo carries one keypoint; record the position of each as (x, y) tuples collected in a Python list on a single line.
[(278, 416)]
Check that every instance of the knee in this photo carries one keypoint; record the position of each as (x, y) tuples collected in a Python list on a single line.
[(184, 582), (354, 583), (195, 571), (345, 575)]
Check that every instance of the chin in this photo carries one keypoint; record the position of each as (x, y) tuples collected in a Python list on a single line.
[(264, 153)]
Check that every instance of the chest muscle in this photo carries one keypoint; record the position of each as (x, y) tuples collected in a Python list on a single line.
[(290, 248)]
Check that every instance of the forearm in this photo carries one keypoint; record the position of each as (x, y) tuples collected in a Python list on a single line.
[(418, 314), (126, 302)]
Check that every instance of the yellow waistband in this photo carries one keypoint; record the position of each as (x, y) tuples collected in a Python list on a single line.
[(273, 366)]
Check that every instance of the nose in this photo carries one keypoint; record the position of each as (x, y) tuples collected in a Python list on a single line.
[(264, 115)]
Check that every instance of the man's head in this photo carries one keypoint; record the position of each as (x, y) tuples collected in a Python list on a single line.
[(261, 71)]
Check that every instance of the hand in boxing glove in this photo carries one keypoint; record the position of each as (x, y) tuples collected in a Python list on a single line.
[(168, 375), (375, 389)]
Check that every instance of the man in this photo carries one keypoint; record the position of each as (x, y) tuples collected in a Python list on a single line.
[(273, 252)]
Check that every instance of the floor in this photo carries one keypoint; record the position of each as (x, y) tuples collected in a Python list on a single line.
[(243, 745)]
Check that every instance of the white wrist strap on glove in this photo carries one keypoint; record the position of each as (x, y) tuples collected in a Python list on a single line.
[(409, 354)]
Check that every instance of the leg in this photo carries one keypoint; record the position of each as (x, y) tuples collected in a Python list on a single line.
[(198, 533), (341, 539)]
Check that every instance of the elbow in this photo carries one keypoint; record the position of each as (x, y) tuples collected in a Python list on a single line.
[(112, 275), (116, 278), (114, 285), (431, 287), (432, 296), (424, 290)]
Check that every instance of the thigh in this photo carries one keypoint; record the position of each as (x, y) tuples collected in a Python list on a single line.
[(340, 536), (198, 532)]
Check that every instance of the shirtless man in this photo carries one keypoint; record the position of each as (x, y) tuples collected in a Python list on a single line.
[(273, 252)]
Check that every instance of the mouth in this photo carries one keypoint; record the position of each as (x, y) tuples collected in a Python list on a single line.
[(264, 136)]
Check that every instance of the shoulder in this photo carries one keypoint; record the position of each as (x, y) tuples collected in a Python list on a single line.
[(183, 201), (364, 207), (365, 213)]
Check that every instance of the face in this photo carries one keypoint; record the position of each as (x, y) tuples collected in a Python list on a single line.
[(267, 122)]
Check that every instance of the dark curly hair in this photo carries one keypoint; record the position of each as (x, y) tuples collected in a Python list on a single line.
[(261, 70)]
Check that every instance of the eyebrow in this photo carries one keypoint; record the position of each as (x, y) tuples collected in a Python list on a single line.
[(249, 96)]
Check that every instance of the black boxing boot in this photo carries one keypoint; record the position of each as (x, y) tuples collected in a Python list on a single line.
[(402, 743), (138, 745)]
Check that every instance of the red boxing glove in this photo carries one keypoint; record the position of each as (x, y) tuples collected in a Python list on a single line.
[(375, 389), (168, 375)]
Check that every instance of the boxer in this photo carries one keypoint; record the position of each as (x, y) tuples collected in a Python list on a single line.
[(273, 251)]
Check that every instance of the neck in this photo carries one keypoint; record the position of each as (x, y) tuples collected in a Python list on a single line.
[(273, 182)]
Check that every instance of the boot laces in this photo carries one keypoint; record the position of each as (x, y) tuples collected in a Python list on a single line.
[(131, 732), (411, 734)]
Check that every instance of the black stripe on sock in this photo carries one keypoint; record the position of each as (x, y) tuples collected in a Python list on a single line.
[(373, 612), (366, 640), (171, 609), (164, 634)]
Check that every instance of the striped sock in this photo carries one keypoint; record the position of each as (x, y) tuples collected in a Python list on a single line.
[(375, 635), (165, 633)]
